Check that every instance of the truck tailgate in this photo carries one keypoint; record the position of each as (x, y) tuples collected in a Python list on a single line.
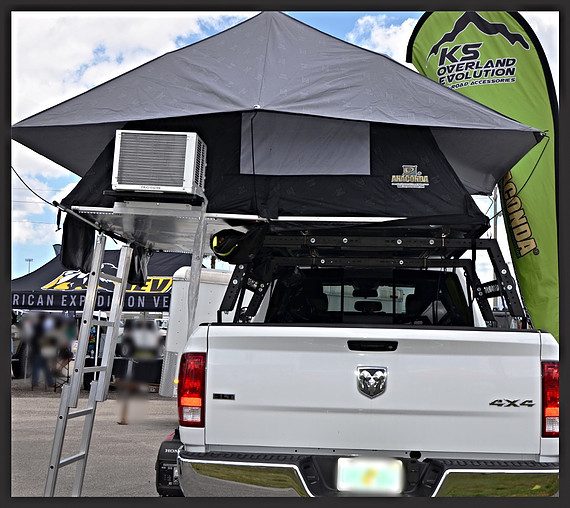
[(296, 386)]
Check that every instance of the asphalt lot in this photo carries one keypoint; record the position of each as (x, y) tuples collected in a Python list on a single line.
[(121, 457)]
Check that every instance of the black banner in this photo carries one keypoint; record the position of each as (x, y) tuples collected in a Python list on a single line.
[(53, 287), (74, 300)]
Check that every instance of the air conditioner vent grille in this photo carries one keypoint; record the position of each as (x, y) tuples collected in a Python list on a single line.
[(151, 159), (200, 169)]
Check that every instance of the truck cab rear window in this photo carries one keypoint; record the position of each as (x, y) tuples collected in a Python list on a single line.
[(369, 296)]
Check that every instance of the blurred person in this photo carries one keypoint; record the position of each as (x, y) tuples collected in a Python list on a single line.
[(28, 322), (67, 333), (13, 331), (22, 332), (58, 341), (41, 351)]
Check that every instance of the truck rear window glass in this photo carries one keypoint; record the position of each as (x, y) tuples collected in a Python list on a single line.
[(369, 296)]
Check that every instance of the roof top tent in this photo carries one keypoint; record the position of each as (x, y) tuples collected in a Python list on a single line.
[(299, 126)]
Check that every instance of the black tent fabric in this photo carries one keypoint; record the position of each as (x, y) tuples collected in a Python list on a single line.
[(53, 287), (296, 123), (229, 191)]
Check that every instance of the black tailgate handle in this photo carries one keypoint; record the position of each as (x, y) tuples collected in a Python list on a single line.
[(372, 345)]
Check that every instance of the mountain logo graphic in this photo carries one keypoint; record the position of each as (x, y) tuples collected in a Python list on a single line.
[(483, 25), (74, 280)]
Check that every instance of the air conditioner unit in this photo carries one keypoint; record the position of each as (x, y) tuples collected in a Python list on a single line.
[(155, 161)]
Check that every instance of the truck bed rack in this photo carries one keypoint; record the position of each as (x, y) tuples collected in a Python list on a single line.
[(359, 251)]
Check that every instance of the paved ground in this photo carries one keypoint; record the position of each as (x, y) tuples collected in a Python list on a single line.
[(121, 459)]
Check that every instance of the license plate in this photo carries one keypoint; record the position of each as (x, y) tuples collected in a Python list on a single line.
[(379, 476)]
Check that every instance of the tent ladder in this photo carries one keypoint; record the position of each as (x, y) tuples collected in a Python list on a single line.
[(99, 388)]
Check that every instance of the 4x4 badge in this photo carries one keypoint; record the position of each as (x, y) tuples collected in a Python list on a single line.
[(371, 381)]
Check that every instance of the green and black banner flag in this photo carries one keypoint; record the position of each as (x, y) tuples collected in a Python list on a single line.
[(495, 58)]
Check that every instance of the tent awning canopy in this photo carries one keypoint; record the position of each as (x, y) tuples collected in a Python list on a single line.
[(330, 125)]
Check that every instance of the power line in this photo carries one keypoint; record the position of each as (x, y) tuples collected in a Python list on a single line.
[(24, 201), (37, 189), (31, 190), (34, 222)]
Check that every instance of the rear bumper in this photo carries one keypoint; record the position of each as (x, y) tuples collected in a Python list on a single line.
[(241, 474)]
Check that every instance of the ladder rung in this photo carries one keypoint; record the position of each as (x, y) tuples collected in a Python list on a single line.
[(108, 276), (97, 368), (100, 322), (81, 412), (72, 459)]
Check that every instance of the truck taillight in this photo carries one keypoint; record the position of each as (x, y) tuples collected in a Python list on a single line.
[(550, 400), (192, 389)]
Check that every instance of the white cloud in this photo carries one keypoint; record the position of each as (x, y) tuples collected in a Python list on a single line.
[(24, 200), (379, 34), (546, 26), (30, 233), (29, 163), (20, 192), (33, 221)]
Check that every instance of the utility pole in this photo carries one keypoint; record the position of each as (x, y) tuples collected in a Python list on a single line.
[(29, 260)]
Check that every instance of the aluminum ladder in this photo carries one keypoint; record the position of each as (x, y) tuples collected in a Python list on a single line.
[(99, 388)]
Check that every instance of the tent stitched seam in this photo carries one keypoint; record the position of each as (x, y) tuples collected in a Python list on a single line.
[(264, 62)]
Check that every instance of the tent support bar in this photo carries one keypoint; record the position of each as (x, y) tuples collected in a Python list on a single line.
[(77, 216), (93, 224)]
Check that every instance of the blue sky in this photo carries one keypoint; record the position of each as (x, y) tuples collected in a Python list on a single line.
[(58, 55)]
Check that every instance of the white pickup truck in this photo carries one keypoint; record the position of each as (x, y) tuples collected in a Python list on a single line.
[(374, 377)]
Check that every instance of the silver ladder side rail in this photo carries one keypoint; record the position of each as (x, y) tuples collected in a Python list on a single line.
[(112, 332), (86, 317)]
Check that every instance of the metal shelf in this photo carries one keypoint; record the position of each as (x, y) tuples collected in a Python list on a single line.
[(157, 226)]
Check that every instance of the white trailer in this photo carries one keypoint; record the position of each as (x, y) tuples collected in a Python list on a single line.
[(213, 284)]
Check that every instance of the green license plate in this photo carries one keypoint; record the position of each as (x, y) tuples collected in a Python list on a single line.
[(378, 476)]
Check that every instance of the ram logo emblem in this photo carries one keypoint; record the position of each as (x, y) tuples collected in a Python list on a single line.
[(371, 381)]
